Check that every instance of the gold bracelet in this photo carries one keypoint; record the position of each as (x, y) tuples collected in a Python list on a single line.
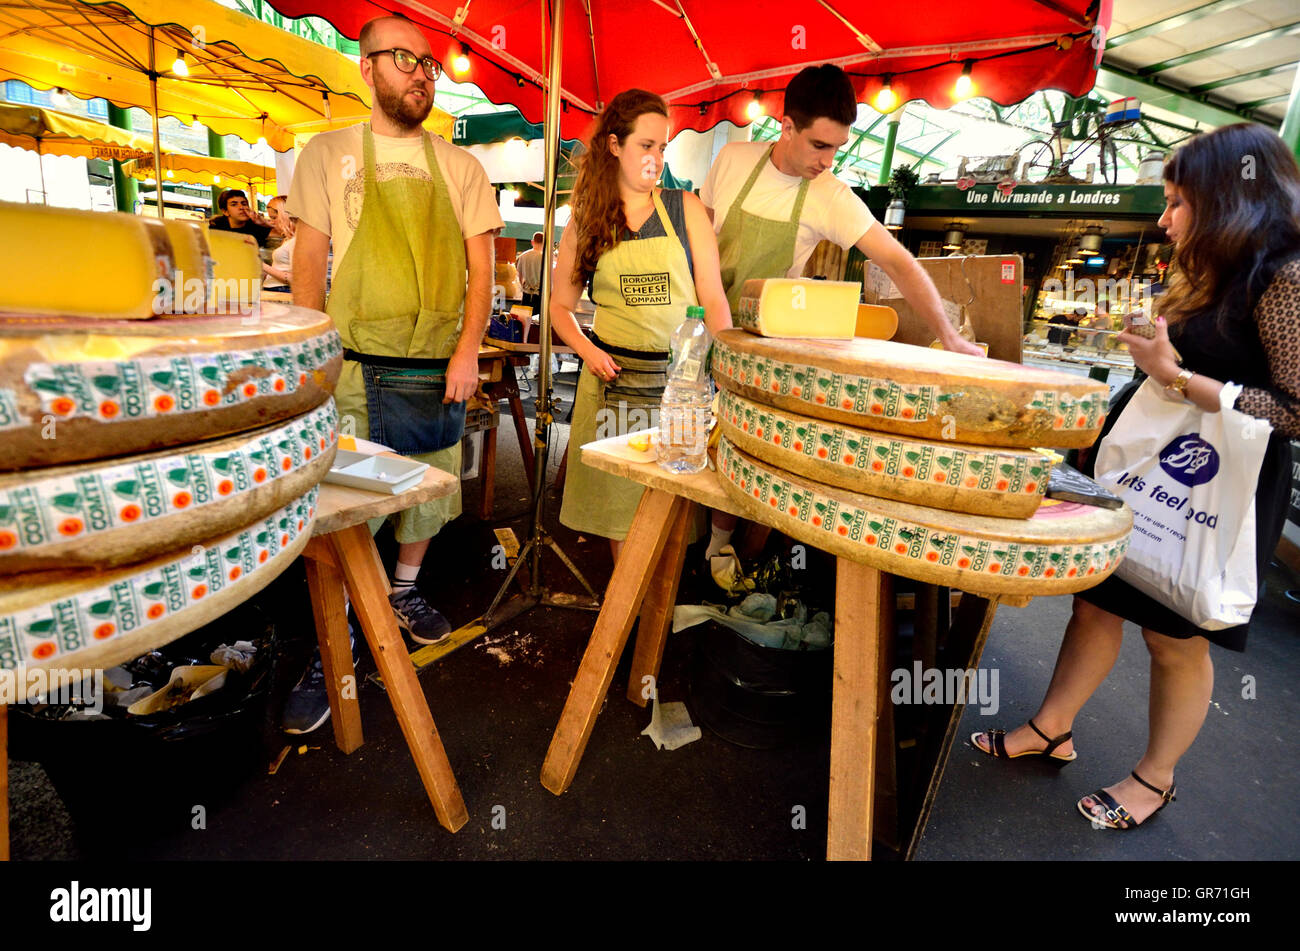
[(1178, 386)]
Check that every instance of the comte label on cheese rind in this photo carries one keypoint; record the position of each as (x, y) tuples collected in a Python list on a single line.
[(914, 391), (99, 514), (1063, 549), (1007, 483), (786, 307), (197, 379), (48, 623)]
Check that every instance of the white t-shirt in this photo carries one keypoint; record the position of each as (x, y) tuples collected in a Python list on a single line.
[(329, 183), (831, 211), (281, 260)]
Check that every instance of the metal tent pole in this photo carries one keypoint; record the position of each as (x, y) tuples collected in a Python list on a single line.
[(538, 537), (157, 147)]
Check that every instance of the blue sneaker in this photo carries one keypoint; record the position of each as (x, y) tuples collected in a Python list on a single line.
[(418, 618), (308, 706)]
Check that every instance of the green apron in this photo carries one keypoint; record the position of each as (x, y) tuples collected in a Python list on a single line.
[(641, 289), (399, 292), (752, 247)]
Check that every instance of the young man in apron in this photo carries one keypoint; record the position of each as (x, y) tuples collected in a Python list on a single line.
[(408, 215), (772, 204)]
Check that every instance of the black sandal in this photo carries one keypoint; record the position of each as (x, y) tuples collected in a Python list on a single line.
[(998, 747), (1116, 814)]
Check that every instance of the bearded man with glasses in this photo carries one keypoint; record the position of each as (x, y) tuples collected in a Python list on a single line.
[(410, 219)]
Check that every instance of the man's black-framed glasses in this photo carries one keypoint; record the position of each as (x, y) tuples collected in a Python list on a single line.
[(406, 61)]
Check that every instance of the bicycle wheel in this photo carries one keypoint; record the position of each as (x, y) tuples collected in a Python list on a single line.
[(1108, 161), (1036, 162)]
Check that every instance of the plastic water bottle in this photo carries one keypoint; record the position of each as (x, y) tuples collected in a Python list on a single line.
[(687, 408)]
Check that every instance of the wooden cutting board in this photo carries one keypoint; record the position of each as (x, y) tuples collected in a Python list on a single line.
[(78, 389), (104, 514), (913, 391), (93, 619), (1008, 483), (1065, 547)]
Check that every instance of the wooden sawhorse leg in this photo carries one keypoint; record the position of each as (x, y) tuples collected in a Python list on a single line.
[(642, 552), (351, 552), (657, 608), (863, 621), (328, 608)]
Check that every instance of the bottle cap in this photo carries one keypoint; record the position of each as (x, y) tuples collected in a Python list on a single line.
[(694, 312)]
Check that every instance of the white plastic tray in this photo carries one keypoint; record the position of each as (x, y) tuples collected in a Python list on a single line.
[(375, 473)]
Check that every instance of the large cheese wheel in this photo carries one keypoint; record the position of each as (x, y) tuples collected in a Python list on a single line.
[(72, 390), (1004, 482), (914, 391), (112, 513), (1065, 547), (98, 619)]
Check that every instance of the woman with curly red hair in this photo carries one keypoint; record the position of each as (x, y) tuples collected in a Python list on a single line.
[(647, 254)]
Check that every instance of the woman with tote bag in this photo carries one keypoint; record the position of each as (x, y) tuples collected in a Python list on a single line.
[(1233, 317)]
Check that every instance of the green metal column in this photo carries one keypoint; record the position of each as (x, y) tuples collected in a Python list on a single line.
[(1291, 124), (216, 149), (124, 187), (891, 138)]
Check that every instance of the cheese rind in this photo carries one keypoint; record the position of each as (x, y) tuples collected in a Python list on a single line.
[(1064, 548), (105, 514), (786, 307), (1007, 483), (914, 391), (69, 619), (197, 379)]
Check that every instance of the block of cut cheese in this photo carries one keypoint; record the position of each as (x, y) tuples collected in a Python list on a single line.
[(790, 307), (96, 619), (236, 272), (914, 391), (72, 390), (981, 480), (1065, 547), (103, 514), (876, 321), (62, 261), (190, 289)]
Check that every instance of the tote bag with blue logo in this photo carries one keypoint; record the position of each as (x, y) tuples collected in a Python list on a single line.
[(1189, 476)]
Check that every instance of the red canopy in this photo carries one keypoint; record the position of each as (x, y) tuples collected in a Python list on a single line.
[(708, 58)]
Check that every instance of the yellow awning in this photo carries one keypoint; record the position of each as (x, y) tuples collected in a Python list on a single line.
[(58, 133), (246, 78), (204, 170)]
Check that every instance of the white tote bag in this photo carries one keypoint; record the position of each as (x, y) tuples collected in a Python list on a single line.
[(1189, 476)]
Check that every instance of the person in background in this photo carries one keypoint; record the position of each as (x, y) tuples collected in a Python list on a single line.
[(1233, 313), (529, 265), (1062, 325), (772, 203), (276, 275), (411, 220), (238, 216), (623, 226), (1100, 320)]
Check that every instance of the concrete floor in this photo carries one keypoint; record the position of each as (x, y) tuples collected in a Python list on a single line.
[(496, 702)]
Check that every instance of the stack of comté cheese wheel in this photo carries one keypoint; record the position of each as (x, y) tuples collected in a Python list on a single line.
[(155, 469), (916, 461)]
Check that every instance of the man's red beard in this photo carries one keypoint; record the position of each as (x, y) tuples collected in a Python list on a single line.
[(398, 108)]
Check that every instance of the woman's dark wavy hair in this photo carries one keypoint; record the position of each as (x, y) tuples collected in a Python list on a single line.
[(1243, 188), (597, 205)]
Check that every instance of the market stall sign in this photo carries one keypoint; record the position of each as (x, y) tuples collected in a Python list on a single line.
[(1064, 200)]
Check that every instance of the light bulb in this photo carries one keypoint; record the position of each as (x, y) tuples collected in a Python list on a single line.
[(216, 179), (965, 87), (179, 66), (170, 173), (460, 63), (754, 110), (886, 99)]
